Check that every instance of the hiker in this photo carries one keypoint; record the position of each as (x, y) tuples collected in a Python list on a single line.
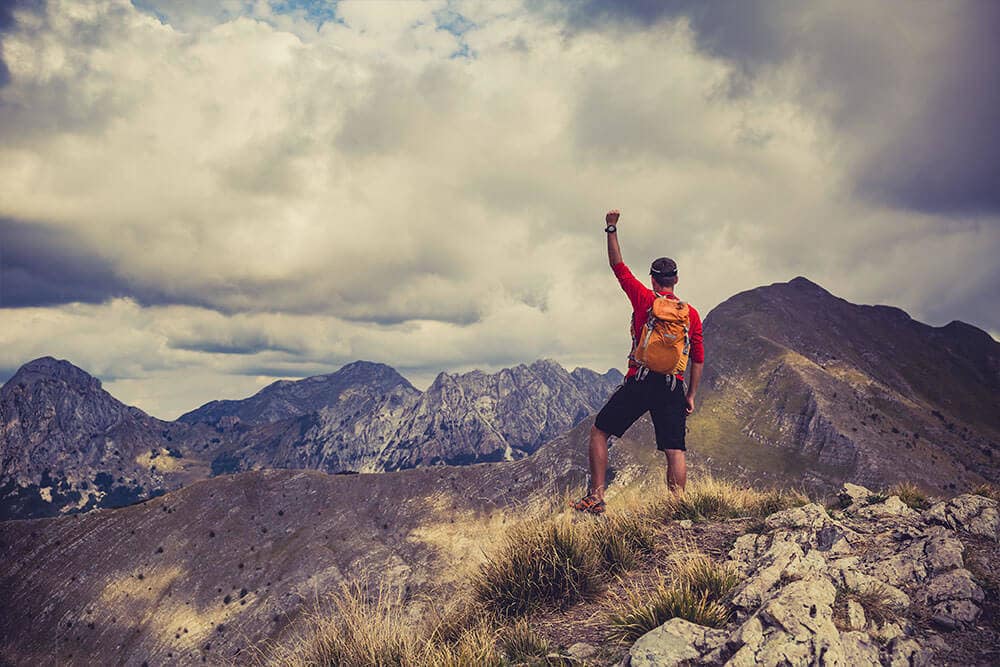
[(664, 339)]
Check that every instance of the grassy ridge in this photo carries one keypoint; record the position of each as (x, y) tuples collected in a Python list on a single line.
[(547, 560)]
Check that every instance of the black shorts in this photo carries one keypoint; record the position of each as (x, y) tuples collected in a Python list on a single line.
[(653, 394)]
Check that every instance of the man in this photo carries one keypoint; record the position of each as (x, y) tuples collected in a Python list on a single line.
[(668, 399)]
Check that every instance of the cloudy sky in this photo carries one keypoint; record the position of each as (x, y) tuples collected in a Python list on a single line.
[(197, 198)]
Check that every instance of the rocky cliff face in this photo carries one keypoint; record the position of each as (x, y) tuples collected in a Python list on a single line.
[(873, 582), (67, 444), (353, 388), (800, 384), (460, 419)]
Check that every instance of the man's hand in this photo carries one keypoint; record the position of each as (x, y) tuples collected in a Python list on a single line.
[(612, 217), (690, 404)]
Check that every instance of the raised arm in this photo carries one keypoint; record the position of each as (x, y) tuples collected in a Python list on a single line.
[(614, 252)]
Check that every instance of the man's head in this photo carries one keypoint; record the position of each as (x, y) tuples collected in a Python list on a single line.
[(663, 273)]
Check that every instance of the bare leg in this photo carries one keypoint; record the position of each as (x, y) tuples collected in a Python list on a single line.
[(676, 470), (598, 461)]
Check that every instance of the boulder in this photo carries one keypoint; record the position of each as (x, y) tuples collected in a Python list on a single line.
[(674, 642), (852, 494)]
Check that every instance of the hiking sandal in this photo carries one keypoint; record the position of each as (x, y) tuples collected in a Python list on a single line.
[(589, 504)]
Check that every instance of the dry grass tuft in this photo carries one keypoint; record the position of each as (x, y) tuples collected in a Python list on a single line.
[(911, 495), (987, 490), (359, 629), (696, 589), (879, 606), (711, 499), (540, 563), (520, 644), (621, 539)]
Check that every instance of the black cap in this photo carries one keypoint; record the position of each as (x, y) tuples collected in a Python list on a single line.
[(664, 267)]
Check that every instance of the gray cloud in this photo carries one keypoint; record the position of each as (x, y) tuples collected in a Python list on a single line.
[(914, 88), (41, 265), (257, 197)]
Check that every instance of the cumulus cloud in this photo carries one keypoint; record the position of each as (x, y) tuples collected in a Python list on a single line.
[(207, 196)]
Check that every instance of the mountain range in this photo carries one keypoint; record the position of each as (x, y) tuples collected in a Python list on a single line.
[(800, 386), (68, 445)]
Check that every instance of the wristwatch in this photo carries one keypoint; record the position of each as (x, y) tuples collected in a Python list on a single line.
[(611, 229)]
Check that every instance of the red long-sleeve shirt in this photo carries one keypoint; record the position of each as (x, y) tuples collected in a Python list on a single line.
[(642, 300)]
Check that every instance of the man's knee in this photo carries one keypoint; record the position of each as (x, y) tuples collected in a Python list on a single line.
[(598, 433)]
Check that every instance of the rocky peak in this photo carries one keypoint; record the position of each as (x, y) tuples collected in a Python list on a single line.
[(293, 398), (50, 369)]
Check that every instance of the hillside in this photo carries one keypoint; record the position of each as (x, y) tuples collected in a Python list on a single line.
[(801, 385), (246, 551), (66, 444)]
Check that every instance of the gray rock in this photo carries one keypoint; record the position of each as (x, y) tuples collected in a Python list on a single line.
[(961, 613), (856, 619), (852, 494), (581, 651), (673, 642), (955, 585), (973, 513), (908, 653), (802, 609), (892, 508)]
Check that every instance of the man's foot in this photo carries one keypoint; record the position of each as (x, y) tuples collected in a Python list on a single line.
[(590, 504)]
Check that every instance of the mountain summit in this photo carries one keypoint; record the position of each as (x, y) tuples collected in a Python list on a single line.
[(801, 384), (292, 398)]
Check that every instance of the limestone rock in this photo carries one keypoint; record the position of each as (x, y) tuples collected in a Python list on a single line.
[(890, 508), (973, 513), (954, 585), (852, 494), (856, 619), (581, 651), (673, 642)]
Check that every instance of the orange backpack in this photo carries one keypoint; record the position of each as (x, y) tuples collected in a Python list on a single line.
[(663, 345)]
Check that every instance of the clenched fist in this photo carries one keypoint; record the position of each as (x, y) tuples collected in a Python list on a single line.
[(612, 217)]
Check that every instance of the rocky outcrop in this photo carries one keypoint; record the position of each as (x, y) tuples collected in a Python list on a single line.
[(857, 585)]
